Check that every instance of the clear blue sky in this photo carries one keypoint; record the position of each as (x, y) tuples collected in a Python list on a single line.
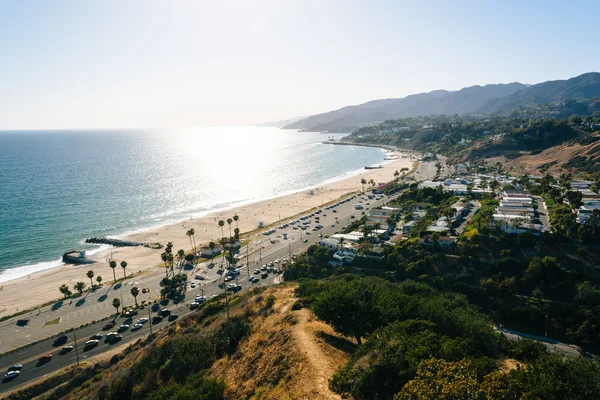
[(127, 63)]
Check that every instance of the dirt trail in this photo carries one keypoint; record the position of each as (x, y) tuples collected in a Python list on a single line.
[(321, 365)]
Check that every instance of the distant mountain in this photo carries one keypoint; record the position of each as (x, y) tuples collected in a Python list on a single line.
[(488, 99), (586, 86), (282, 122)]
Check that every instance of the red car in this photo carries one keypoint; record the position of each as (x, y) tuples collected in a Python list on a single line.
[(46, 357), (108, 326)]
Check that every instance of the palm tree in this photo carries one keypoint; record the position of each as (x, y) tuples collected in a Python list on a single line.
[(79, 286), (113, 265), (396, 174), (165, 257), (116, 304), (341, 240), (191, 234), (170, 259), (212, 246), (169, 248), (372, 182), (363, 182), (135, 292), (222, 224), (64, 289), (236, 234), (236, 219), (99, 280), (229, 222), (223, 243), (180, 256), (90, 274), (124, 265)]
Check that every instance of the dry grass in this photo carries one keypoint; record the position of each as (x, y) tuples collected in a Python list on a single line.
[(290, 355)]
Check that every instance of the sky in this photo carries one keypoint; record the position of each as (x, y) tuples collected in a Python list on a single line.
[(145, 63)]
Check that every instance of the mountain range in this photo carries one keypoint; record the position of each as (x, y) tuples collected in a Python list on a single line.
[(490, 99)]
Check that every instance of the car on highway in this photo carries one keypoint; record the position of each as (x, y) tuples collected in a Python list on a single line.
[(193, 285), (46, 357), (23, 322), (65, 350), (156, 319), (194, 305), (264, 275), (304, 240), (229, 278), (108, 326), (136, 327), (211, 265), (91, 343), (97, 336), (131, 313), (164, 313), (142, 320), (11, 375), (200, 299), (16, 367), (200, 277), (307, 233), (173, 317), (61, 339), (122, 328), (113, 337)]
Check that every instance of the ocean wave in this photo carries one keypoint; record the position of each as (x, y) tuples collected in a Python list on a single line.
[(25, 270)]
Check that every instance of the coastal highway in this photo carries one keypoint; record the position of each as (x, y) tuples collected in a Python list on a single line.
[(29, 356)]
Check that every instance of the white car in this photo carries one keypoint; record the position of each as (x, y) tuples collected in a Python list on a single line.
[(11, 374), (142, 321), (136, 327), (93, 342)]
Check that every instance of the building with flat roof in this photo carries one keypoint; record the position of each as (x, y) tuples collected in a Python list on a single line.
[(587, 210)]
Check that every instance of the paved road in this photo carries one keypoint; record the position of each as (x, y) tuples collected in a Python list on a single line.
[(475, 207), (265, 251), (552, 345)]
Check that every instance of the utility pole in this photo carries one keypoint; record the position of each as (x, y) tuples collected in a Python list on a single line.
[(76, 350), (150, 321), (546, 330)]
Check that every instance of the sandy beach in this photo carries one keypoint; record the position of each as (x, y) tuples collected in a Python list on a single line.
[(42, 287)]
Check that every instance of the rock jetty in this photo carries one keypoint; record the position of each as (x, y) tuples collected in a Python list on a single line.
[(114, 242)]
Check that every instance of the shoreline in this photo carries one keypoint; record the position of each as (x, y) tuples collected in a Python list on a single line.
[(42, 287), (46, 282), (58, 263)]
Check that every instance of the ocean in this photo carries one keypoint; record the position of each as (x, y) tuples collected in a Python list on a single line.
[(58, 188)]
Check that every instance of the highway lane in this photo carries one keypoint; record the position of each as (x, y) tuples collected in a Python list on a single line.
[(270, 252)]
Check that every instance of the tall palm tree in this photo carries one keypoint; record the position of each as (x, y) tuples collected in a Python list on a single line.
[(170, 259), (116, 303), (64, 289), (90, 274), (135, 292), (236, 219), (79, 286), (363, 182), (223, 243), (124, 265), (212, 246), (113, 265), (222, 224), (229, 222), (191, 233), (180, 256), (169, 248), (99, 280)]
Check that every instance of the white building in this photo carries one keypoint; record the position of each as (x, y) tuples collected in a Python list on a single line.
[(587, 210)]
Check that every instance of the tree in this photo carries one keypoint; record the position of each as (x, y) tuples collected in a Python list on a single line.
[(440, 379), (372, 182), (135, 292), (236, 219), (113, 265), (341, 240), (116, 303), (363, 182), (124, 265), (165, 257), (180, 256), (212, 245), (169, 248), (229, 222), (494, 185), (396, 174), (64, 289), (222, 224), (191, 233), (79, 286), (575, 198), (99, 280), (90, 274)]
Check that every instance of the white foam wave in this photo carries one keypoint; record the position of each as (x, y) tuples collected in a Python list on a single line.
[(25, 270)]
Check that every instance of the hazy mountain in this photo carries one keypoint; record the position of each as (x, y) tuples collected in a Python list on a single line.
[(463, 101), (488, 99), (584, 86)]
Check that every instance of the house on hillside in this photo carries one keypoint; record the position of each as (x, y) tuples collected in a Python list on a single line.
[(587, 210)]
